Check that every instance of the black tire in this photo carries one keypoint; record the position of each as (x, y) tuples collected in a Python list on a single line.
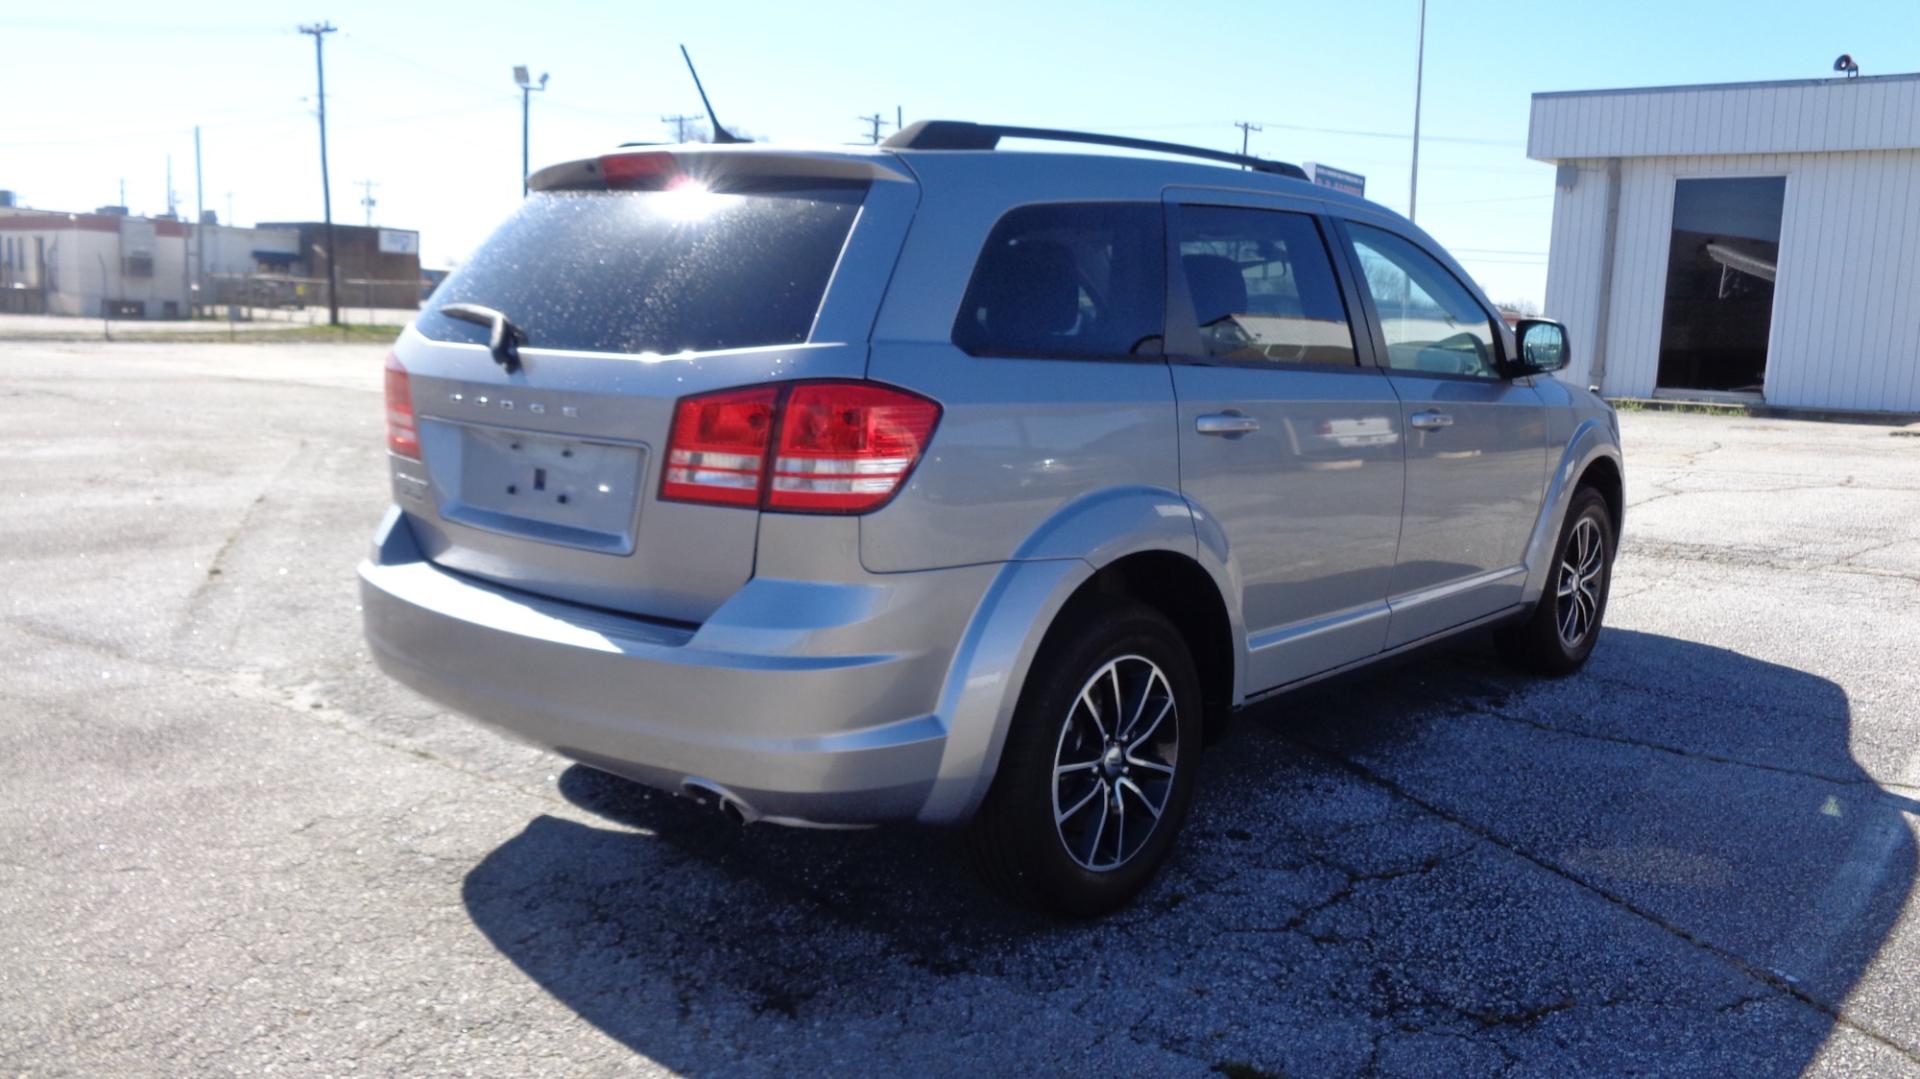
[(1538, 643), (1014, 842)]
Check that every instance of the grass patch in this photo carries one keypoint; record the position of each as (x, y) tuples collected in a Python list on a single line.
[(218, 334), (243, 334)]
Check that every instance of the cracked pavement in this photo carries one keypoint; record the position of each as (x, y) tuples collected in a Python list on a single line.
[(228, 846)]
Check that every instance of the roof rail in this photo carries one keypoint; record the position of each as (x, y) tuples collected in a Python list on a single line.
[(962, 135)]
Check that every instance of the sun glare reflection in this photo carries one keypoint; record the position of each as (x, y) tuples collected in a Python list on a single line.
[(688, 199)]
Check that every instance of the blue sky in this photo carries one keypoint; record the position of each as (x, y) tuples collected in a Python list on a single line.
[(421, 98)]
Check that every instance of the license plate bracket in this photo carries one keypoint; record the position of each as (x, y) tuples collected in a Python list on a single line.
[(570, 491)]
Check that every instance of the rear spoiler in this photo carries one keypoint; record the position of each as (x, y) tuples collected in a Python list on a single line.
[(708, 161)]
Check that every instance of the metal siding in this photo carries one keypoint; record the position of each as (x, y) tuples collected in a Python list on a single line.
[(1573, 263), (1803, 117), (1845, 333)]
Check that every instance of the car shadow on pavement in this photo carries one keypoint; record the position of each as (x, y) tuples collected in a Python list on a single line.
[(1670, 863)]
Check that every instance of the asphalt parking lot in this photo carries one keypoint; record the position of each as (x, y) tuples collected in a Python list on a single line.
[(227, 845)]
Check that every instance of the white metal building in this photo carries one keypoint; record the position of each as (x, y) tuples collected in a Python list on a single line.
[(1746, 241), (131, 266)]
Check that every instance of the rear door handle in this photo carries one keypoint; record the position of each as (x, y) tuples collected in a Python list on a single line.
[(1430, 420), (1225, 423)]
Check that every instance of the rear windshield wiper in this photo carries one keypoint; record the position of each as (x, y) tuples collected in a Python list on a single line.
[(503, 337)]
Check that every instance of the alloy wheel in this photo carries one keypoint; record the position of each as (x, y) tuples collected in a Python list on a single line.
[(1583, 564), (1114, 764)]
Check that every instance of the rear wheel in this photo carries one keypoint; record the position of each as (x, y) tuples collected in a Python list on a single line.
[(1560, 634), (1098, 766)]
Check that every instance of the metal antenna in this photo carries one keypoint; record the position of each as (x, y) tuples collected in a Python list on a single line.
[(720, 134)]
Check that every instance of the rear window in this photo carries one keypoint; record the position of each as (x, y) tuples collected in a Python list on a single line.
[(682, 270)]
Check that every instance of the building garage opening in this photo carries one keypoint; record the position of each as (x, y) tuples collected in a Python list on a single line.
[(1720, 269)]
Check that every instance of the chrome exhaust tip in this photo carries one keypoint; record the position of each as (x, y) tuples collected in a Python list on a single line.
[(708, 793)]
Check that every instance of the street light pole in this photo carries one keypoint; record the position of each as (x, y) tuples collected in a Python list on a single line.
[(320, 31), (1419, 75), (527, 87)]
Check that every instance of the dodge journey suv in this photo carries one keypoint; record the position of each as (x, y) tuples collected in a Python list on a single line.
[(938, 482)]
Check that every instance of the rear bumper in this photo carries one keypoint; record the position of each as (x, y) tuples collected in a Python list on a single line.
[(803, 702)]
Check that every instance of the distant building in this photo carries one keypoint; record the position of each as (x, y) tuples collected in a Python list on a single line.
[(129, 266), (379, 267), (90, 263), (1742, 242)]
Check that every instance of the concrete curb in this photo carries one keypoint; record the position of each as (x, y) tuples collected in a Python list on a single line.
[(1904, 421)]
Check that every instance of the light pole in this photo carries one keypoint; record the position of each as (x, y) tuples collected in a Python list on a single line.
[(527, 87), (1419, 74)]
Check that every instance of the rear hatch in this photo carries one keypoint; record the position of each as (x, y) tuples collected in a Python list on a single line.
[(636, 279)]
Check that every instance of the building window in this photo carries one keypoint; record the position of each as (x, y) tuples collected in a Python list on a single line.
[(1720, 270)]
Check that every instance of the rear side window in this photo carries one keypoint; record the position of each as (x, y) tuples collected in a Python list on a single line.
[(1263, 287), (681, 270), (1068, 280)]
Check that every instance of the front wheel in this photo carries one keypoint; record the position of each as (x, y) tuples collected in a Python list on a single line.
[(1560, 634), (1097, 770)]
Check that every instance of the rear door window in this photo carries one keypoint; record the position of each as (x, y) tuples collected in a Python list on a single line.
[(1068, 280), (1263, 287), (680, 270)]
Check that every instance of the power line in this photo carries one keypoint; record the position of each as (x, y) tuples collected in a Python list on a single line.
[(1401, 136), (1482, 202)]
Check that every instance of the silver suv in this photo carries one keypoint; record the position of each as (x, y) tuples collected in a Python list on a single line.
[(943, 483)]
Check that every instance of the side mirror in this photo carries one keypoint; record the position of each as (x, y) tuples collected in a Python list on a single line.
[(1543, 346)]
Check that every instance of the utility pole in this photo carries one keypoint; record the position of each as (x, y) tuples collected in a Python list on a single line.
[(199, 218), (123, 192), (1245, 130), (229, 207), (320, 30), (170, 210), (876, 120), (527, 88), (680, 122), (367, 201), (1419, 74), (899, 119)]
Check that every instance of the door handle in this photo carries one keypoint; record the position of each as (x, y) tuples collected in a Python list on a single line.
[(1225, 423), (1430, 420)]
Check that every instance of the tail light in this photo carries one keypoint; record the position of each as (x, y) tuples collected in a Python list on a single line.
[(637, 172), (403, 436), (718, 449), (802, 447)]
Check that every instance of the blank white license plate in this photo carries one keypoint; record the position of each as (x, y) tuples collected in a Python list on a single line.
[(558, 490)]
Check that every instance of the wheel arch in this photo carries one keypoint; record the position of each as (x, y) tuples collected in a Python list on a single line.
[(1591, 457), (1603, 475), (1179, 588), (1139, 542)]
